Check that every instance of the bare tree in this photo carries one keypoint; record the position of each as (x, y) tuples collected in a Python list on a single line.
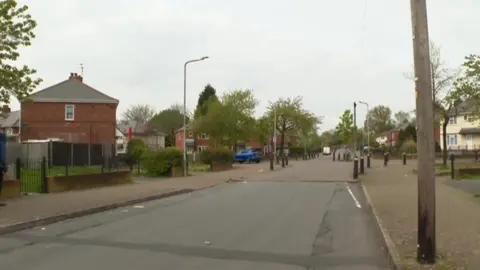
[(141, 113), (444, 96)]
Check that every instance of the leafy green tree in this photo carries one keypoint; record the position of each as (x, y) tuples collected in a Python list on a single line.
[(344, 128), (140, 113), (380, 118), (230, 119), (291, 117), (205, 99), (168, 121), (402, 119), (208, 94), (263, 129), (16, 31)]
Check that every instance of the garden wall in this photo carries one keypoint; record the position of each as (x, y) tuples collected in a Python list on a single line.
[(220, 166), (79, 182), (10, 189)]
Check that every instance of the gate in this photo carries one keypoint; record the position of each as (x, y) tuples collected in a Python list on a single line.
[(32, 175)]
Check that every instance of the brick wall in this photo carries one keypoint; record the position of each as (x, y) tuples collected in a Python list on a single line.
[(93, 123)]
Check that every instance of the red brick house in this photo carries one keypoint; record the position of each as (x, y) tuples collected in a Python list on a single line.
[(70, 111)]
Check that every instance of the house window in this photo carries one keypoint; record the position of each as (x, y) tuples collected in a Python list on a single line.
[(69, 112), (452, 120), (201, 148), (451, 140), (190, 134), (203, 136)]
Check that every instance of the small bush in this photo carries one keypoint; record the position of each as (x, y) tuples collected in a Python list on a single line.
[(159, 163), (409, 147), (135, 150), (216, 154)]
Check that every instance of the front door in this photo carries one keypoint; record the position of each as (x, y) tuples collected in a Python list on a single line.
[(469, 140)]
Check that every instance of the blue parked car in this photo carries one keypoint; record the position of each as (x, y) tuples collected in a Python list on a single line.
[(248, 155)]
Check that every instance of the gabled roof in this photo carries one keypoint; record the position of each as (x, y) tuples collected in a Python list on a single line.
[(72, 90), (12, 120), (138, 128), (182, 128)]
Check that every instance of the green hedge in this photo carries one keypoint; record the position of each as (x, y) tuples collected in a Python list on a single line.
[(160, 162), (216, 154)]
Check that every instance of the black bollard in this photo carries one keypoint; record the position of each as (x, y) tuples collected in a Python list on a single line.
[(362, 165), (286, 160), (452, 166), (333, 156), (404, 158), (385, 159), (368, 161), (344, 156), (271, 161), (355, 168)]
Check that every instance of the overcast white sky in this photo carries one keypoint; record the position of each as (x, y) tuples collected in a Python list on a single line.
[(322, 50)]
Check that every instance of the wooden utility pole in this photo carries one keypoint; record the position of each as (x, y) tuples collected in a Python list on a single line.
[(426, 243)]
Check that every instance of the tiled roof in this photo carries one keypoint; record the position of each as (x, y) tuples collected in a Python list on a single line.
[(72, 90)]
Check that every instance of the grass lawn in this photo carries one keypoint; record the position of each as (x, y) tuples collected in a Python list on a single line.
[(62, 171)]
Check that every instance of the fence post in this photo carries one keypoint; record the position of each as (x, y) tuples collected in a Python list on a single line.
[(18, 168), (333, 156), (66, 165), (452, 166), (43, 174), (368, 161), (103, 165), (385, 159), (286, 160)]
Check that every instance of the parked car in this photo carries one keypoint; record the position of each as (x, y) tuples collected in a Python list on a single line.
[(248, 155)]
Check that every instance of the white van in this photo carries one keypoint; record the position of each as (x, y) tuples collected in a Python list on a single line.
[(326, 151)]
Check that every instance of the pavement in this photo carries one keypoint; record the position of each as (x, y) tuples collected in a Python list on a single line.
[(393, 193), (307, 221)]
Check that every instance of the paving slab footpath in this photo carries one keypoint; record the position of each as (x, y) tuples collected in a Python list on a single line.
[(393, 194)]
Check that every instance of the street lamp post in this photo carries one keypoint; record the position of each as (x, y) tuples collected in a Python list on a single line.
[(185, 111), (368, 124), (275, 135)]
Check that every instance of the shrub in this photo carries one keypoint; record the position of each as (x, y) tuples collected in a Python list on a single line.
[(135, 149), (409, 147), (159, 163), (216, 154)]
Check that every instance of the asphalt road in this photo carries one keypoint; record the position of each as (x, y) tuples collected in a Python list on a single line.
[(260, 225)]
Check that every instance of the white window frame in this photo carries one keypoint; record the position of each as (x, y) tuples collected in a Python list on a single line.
[(66, 112), (452, 120), (201, 148), (453, 138)]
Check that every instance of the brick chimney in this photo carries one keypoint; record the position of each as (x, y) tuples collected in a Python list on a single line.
[(75, 76)]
